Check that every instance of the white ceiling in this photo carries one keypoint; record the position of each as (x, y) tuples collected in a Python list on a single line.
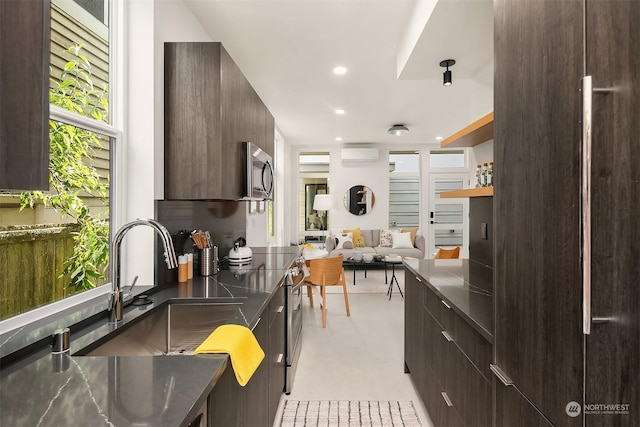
[(287, 49)]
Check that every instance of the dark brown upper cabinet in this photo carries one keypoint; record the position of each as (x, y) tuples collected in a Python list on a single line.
[(24, 97), (210, 110)]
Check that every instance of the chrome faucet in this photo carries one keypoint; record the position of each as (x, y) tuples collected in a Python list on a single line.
[(116, 296)]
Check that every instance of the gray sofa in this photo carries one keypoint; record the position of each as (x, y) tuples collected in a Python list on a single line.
[(372, 245)]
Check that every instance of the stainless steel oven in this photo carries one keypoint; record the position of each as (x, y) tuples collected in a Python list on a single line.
[(293, 304)]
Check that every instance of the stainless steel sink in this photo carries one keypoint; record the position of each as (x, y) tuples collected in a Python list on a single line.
[(174, 329)]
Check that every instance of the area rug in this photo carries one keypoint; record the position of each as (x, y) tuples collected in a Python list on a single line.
[(372, 284), (351, 413)]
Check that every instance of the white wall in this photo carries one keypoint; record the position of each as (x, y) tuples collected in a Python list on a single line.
[(479, 105), (173, 23), (282, 158), (144, 125), (482, 153), (343, 176), (481, 99)]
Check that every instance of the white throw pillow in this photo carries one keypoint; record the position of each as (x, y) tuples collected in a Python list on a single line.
[(385, 238), (342, 238), (335, 232), (401, 240)]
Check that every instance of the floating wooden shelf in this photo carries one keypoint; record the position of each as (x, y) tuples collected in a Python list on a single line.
[(476, 133), (468, 192)]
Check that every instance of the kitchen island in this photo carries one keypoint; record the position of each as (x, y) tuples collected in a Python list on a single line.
[(42, 388), (449, 338)]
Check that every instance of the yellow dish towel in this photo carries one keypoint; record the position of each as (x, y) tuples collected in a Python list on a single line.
[(241, 345)]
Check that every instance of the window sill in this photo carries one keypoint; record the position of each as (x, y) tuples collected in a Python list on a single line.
[(25, 329)]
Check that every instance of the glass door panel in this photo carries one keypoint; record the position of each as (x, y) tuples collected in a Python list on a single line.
[(448, 218)]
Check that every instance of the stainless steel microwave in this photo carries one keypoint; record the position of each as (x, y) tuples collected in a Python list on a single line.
[(259, 173)]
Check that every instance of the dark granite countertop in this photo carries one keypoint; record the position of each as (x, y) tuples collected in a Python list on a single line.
[(463, 284), (52, 390)]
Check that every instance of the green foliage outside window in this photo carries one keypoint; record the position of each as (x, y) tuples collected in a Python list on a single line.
[(71, 176)]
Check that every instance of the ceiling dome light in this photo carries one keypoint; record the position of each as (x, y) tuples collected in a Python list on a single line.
[(398, 129), (340, 70), (446, 76)]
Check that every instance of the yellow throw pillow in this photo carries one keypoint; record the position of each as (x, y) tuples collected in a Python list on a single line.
[(358, 238), (413, 232)]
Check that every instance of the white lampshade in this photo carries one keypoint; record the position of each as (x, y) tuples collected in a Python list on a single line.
[(322, 202)]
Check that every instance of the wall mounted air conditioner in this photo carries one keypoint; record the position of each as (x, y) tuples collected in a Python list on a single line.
[(359, 154)]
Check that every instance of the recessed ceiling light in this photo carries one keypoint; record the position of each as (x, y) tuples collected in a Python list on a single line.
[(338, 138), (339, 111), (339, 70), (438, 138)]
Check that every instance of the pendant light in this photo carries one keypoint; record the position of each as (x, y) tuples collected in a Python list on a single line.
[(446, 77)]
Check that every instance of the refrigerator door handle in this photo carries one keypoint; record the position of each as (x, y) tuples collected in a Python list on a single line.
[(587, 126), (587, 96)]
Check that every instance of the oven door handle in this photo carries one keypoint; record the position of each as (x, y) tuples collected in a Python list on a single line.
[(291, 290), (289, 339), (295, 288), (298, 273)]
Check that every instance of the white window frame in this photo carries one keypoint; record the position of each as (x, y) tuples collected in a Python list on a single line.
[(112, 130), (417, 175)]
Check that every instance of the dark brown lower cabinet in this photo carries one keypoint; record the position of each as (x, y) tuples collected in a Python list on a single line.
[(413, 340), (437, 402), (513, 410), (445, 357), (231, 405), (276, 358), (223, 406), (255, 404)]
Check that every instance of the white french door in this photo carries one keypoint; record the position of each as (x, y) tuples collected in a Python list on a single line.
[(447, 219)]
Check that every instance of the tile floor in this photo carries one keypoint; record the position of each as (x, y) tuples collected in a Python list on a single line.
[(355, 358)]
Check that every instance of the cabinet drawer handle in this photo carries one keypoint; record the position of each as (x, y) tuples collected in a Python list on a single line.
[(280, 357), (279, 310), (418, 279), (446, 335), (445, 304), (445, 396), (501, 375)]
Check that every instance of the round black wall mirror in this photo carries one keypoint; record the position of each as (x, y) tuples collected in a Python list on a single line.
[(359, 200)]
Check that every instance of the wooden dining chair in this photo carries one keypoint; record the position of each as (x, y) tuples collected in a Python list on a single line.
[(448, 253), (325, 272)]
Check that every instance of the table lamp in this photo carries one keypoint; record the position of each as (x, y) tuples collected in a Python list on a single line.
[(322, 203)]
